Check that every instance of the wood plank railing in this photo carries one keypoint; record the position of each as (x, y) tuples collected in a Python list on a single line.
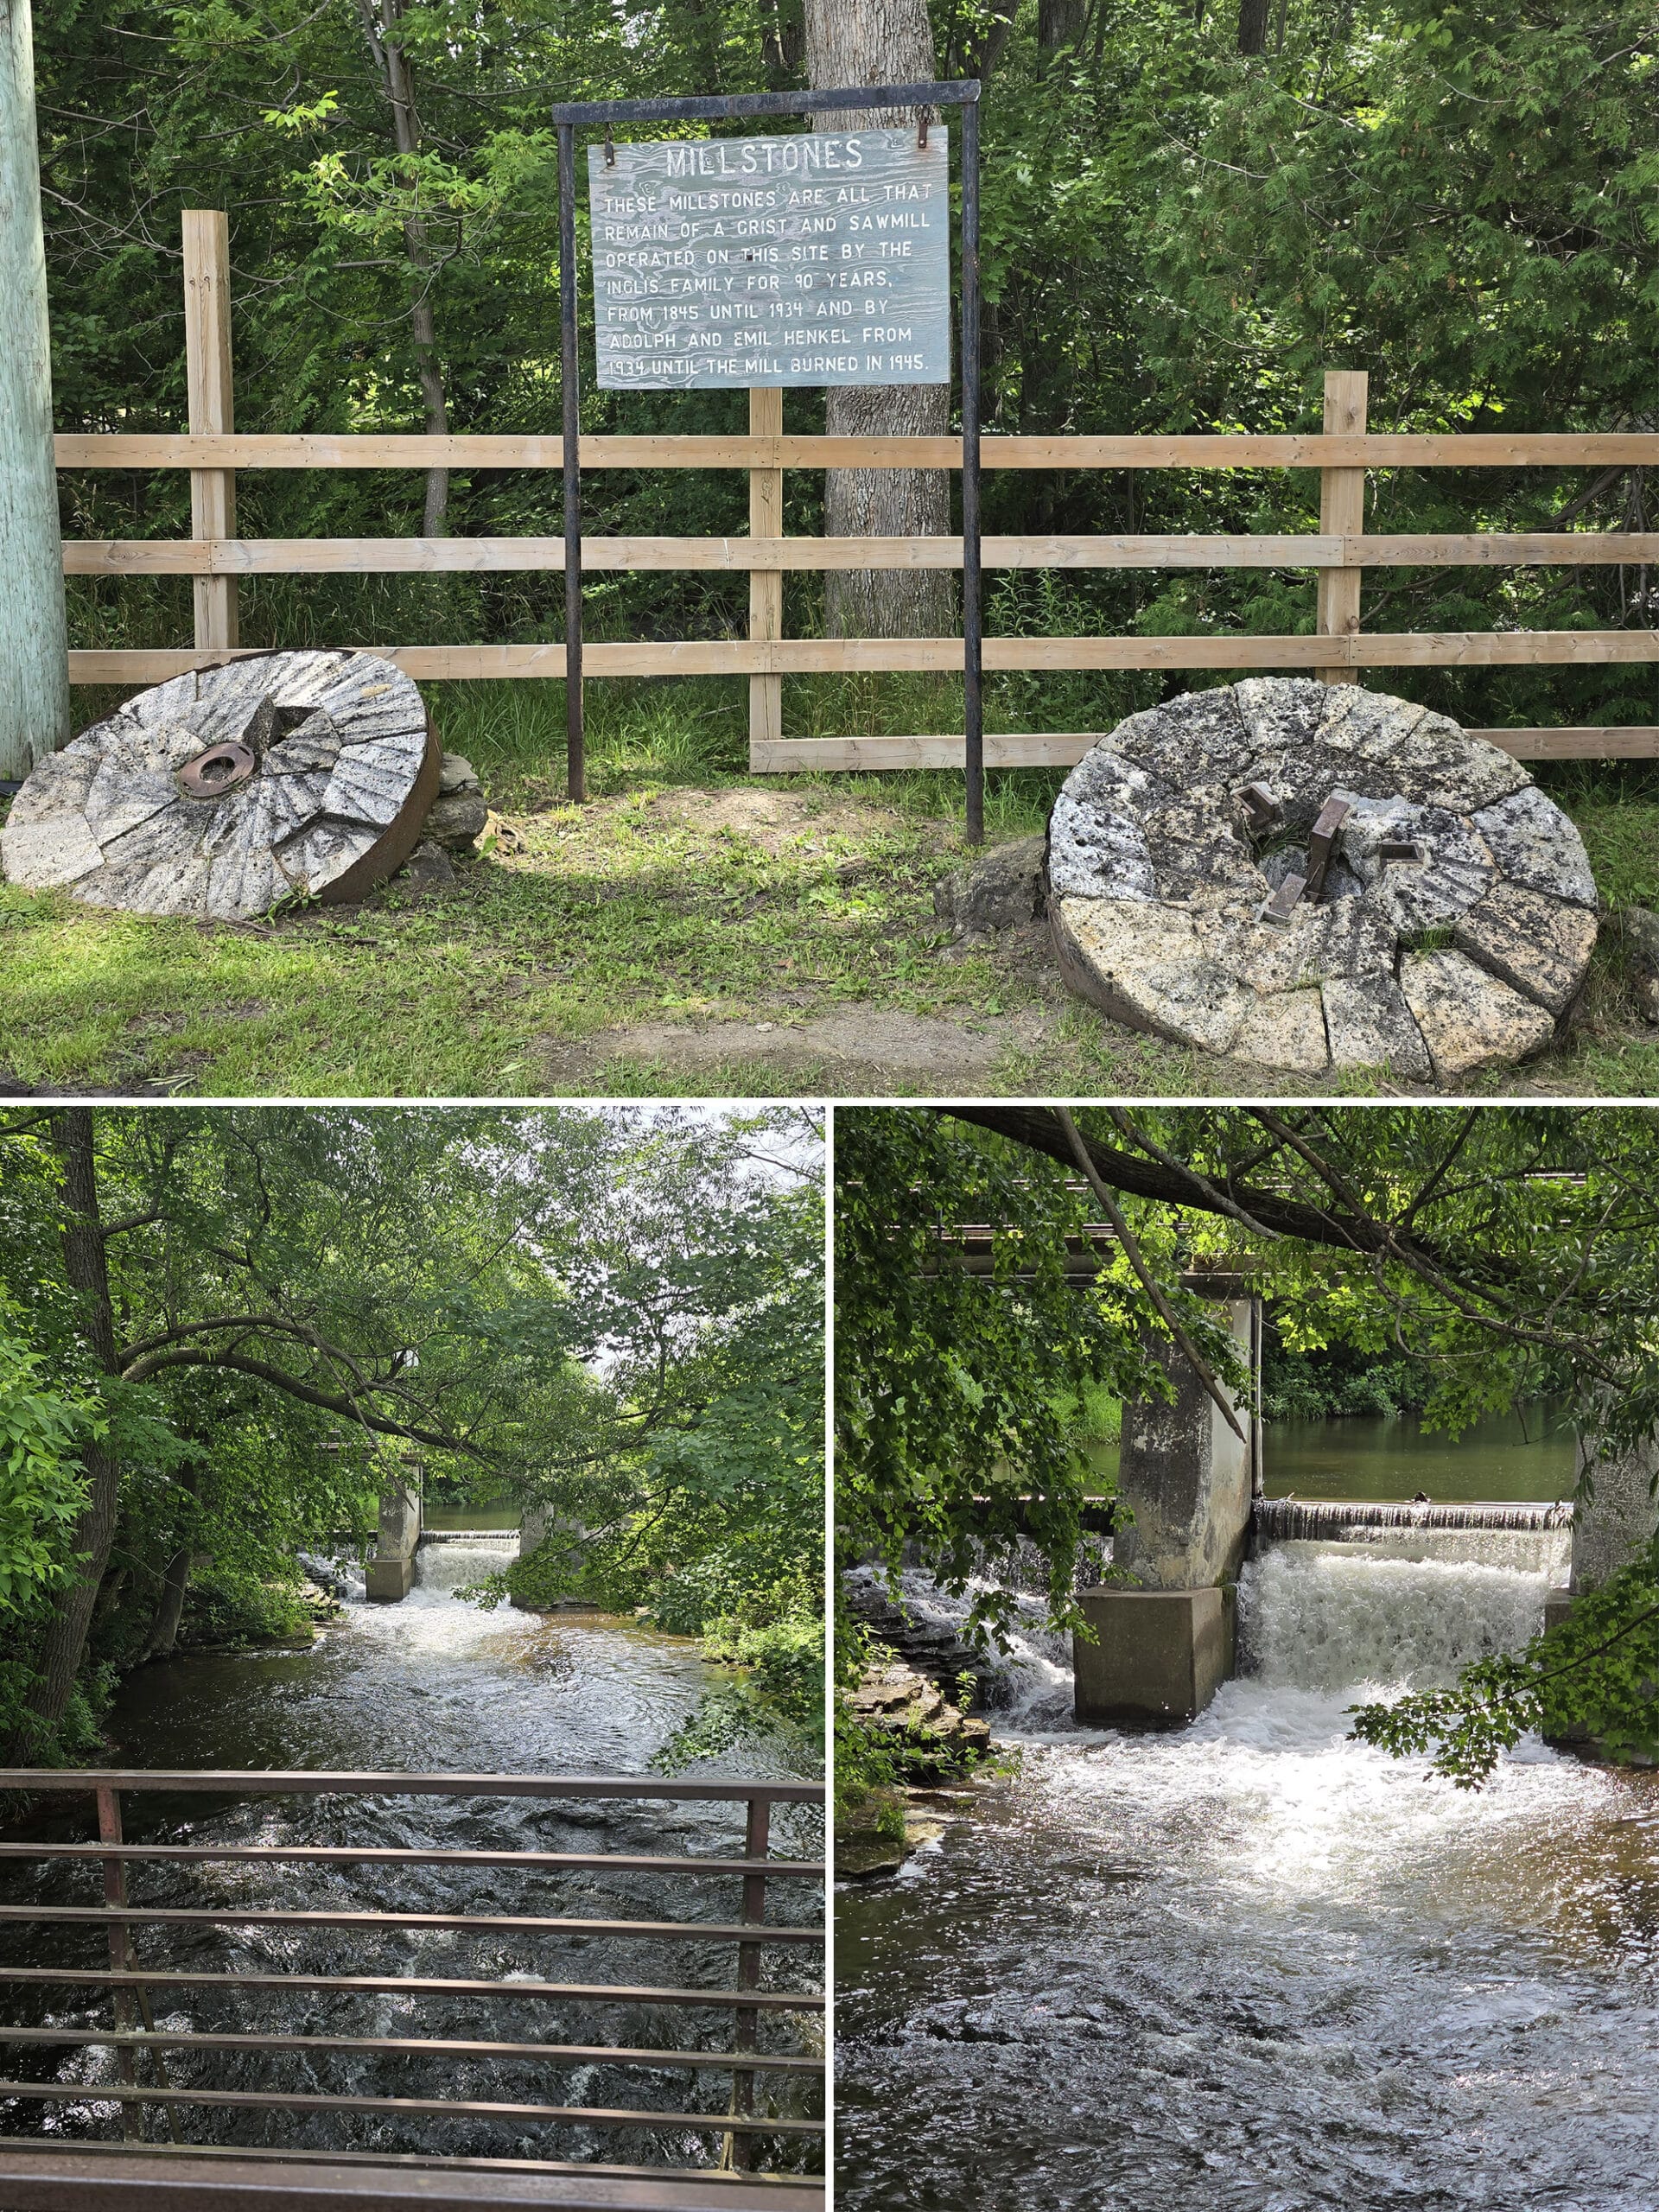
[(1340, 552)]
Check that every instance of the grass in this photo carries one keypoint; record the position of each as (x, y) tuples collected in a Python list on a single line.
[(685, 896)]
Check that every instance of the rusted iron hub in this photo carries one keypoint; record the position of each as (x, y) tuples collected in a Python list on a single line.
[(215, 772)]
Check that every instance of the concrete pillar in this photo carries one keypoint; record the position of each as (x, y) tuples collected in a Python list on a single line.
[(532, 1528), (1185, 1477), (1164, 1643), (1159, 1658), (1621, 1517), (390, 1573)]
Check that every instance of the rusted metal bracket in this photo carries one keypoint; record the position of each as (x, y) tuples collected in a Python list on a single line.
[(1278, 908), (1322, 840), (1262, 810)]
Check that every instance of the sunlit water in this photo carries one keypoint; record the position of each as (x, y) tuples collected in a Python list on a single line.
[(1255, 1965), (429, 1684)]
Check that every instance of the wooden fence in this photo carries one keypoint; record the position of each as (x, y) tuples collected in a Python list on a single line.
[(1340, 552)]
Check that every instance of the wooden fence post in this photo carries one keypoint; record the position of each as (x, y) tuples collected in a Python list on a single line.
[(765, 585), (1342, 513), (34, 654), (207, 365)]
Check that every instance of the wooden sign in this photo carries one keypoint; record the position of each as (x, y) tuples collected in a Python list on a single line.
[(822, 258)]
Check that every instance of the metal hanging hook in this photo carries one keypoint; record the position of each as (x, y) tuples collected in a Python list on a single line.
[(610, 151), (921, 127)]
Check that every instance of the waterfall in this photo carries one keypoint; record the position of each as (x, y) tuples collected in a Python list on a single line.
[(1327, 1617), (342, 1576), (441, 1569)]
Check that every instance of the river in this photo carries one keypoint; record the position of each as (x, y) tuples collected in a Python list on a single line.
[(1526, 1453), (1255, 1966), (429, 1684)]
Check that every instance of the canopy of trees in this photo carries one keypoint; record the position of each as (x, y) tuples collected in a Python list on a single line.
[(223, 1331), (1504, 1250), (1189, 213)]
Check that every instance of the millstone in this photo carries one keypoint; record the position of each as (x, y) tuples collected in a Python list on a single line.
[(1317, 875), (225, 792)]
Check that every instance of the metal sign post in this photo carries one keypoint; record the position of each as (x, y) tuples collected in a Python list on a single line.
[(568, 116)]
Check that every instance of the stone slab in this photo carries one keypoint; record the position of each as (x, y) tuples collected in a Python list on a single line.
[(1145, 966), (1369, 1025), (1535, 843), (1539, 945), (1469, 1020), (1285, 1029)]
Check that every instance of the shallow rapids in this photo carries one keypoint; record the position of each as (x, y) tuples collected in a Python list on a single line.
[(1256, 1965), (429, 1684)]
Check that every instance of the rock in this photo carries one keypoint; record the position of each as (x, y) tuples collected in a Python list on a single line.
[(1469, 1020), (457, 774), (428, 868), (1533, 843), (1146, 966), (1369, 1025), (457, 820), (893, 1698), (1199, 738), (1640, 930), (1539, 945), (1285, 1030), (221, 794), (999, 892)]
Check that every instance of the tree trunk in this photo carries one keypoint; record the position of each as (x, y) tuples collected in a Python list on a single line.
[(169, 1609), (398, 83), (86, 1266), (874, 42), (1253, 26), (1059, 23)]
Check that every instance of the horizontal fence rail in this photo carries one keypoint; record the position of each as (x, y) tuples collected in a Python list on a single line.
[(129, 1983), (1217, 449), (249, 556), (1340, 553)]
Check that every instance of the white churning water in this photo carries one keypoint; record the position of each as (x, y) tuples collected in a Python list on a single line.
[(1255, 1965)]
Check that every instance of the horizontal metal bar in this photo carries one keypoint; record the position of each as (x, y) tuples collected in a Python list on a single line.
[(729, 107), (82, 2093), (602, 1993), (474, 1924), (615, 1862), (66, 2175), (416, 2047), (312, 1782)]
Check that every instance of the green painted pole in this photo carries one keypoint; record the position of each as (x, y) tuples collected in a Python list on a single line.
[(34, 643)]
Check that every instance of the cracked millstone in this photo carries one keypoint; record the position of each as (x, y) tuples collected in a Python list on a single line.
[(339, 766), (1158, 879)]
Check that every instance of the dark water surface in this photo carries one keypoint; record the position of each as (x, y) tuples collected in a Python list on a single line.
[(1526, 1454), (427, 1684)]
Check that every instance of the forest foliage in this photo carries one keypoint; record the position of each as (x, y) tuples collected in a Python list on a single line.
[(1178, 235), (610, 1315)]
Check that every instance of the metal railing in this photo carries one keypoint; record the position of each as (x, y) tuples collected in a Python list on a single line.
[(133, 2035)]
